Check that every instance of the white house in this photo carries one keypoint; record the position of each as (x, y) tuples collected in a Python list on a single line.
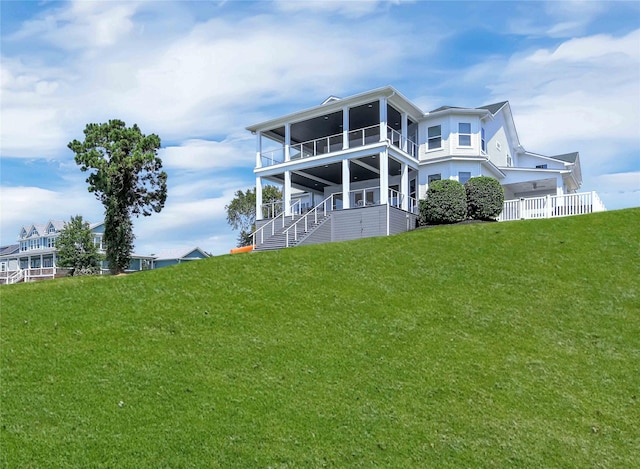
[(378, 149)]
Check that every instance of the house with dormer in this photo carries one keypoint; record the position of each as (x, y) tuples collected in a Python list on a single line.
[(363, 162), (34, 257)]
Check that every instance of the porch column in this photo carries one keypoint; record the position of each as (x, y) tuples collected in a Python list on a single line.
[(287, 142), (384, 178), (345, 128), (259, 198), (286, 192), (383, 119), (404, 185), (403, 128), (346, 180), (258, 149)]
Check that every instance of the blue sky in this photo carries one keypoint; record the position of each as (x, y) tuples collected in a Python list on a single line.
[(198, 73)]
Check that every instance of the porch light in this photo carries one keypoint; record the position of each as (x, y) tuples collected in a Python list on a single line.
[(326, 117)]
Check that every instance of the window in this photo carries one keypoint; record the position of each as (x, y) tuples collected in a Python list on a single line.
[(498, 146), (464, 134), (35, 262), (47, 261), (51, 242), (23, 245), (464, 176), (483, 143), (434, 177), (435, 137), (541, 166), (509, 162)]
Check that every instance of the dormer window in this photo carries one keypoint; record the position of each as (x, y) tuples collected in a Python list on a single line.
[(434, 137), (33, 232), (464, 134)]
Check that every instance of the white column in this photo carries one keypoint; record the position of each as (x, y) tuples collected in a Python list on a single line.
[(287, 193), (384, 177), (405, 131), (258, 149), (345, 128), (287, 142), (259, 198), (404, 185), (383, 119), (346, 184)]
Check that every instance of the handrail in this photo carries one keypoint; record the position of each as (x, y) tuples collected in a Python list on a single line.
[(272, 223), (305, 219), (403, 143)]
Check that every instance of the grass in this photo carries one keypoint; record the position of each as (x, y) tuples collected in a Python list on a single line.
[(483, 345)]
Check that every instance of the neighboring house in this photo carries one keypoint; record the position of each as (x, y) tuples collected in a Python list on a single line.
[(176, 256), (34, 257), (379, 151)]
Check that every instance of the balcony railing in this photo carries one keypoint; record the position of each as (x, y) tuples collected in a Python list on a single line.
[(551, 206), (333, 143)]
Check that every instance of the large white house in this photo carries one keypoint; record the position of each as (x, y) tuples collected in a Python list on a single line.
[(378, 149)]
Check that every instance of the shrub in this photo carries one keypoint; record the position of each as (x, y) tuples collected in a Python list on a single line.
[(485, 198), (446, 202)]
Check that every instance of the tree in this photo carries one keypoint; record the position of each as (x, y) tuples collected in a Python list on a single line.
[(241, 212), (446, 202), (485, 198), (126, 177), (76, 250)]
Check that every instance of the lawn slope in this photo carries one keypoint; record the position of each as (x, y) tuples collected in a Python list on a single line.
[(484, 345)]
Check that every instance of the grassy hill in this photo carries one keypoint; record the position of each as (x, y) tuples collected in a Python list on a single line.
[(483, 345)]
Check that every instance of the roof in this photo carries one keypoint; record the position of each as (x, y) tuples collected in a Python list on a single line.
[(10, 249), (494, 108), (177, 253), (567, 157)]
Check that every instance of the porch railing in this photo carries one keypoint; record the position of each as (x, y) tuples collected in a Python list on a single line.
[(551, 206), (333, 143), (403, 143), (301, 226), (273, 223)]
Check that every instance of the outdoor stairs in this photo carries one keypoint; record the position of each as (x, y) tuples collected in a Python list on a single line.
[(279, 240)]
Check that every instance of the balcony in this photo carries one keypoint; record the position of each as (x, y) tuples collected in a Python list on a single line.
[(334, 143)]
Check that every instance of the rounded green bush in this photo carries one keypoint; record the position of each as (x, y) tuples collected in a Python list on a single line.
[(446, 202), (485, 198)]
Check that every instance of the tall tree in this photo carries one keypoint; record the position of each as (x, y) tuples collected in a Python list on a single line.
[(76, 250), (241, 212), (126, 176)]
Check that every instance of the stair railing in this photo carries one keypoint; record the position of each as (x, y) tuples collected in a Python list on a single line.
[(320, 208), (295, 210), (15, 277)]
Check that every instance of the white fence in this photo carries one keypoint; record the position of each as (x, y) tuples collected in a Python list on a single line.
[(551, 206)]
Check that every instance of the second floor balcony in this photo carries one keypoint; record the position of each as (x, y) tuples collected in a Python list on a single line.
[(335, 143)]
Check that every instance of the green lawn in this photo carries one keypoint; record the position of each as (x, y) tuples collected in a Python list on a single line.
[(483, 345)]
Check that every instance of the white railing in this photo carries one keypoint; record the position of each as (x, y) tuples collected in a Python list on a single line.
[(319, 146), (15, 277), (403, 143), (551, 206), (333, 143), (271, 225), (302, 225), (364, 136), (271, 210)]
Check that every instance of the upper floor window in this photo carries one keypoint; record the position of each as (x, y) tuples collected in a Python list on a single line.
[(464, 134), (23, 245), (435, 137), (464, 176), (509, 161), (541, 166), (51, 242), (483, 143)]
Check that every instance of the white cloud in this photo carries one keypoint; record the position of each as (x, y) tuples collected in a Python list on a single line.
[(620, 190), (25, 205), (198, 154), (348, 8)]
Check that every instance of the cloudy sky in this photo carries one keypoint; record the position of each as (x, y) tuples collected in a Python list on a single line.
[(198, 73)]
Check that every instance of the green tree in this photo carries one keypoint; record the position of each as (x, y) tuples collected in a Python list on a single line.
[(241, 212), (76, 250), (126, 176)]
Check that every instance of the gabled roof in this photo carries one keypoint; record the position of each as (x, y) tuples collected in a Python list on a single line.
[(494, 108), (567, 157), (330, 99), (444, 108), (178, 254)]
